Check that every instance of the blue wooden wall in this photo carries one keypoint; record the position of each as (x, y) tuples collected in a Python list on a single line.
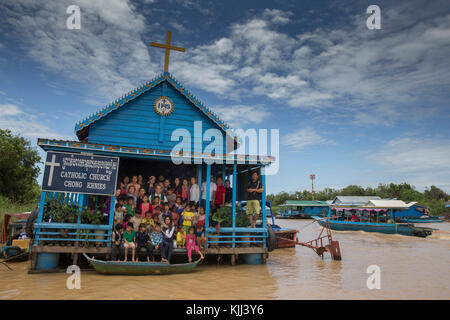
[(136, 124)]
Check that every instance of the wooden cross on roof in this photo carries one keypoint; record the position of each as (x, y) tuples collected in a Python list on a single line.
[(168, 47)]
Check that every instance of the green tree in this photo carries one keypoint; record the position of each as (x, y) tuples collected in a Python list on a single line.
[(18, 168), (435, 193)]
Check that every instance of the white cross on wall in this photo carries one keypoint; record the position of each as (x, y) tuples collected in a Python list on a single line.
[(52, 165)]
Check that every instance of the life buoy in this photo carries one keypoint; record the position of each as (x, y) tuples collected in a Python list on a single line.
[(271, 239)]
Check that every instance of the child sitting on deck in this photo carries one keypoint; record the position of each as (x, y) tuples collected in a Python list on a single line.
[(117, 242), (200, 234), (156, 237), (191, 244), (143, 241), (129, 237), (181, 237)]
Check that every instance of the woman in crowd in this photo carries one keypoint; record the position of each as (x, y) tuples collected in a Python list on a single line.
[(167, 243), (151, 184), (194, 192)]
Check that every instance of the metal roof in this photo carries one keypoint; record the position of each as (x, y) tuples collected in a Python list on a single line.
[(389, 204), (305, 203), (356, 200)]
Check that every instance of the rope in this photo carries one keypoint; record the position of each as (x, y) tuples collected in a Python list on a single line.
[(4, 263), (309, 224)]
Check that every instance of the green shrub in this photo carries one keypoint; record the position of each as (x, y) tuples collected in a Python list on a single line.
[(225, 216)]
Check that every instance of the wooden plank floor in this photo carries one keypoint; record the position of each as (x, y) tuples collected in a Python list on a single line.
[(106, 250)]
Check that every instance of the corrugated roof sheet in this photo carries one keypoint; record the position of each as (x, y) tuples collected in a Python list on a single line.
[(312, 203), (354, 199), (388, 204)]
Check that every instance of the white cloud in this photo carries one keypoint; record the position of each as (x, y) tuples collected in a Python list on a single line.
[(239, 116), (107, 54), (7, 110), (304, 137), (376, 76), (26, 124), (421, 162)]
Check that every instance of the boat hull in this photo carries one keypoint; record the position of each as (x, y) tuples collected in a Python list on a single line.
[(140, 268), (387, 228), (286, 238), (418, 220)]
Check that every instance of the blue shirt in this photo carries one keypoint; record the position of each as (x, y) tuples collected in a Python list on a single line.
[(157, 238)]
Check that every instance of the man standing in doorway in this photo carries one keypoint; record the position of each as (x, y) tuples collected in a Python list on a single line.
[(254, 192)]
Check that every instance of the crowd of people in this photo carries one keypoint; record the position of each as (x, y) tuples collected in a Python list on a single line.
[(158, 214)]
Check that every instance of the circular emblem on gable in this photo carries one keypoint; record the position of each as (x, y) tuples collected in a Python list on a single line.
[(163, 106)]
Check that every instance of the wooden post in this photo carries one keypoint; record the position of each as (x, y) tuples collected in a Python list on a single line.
[(40, 216), (263, 199), (233, 204), (111, 219), (80, 204), (199, 181), (224, 169), (75, 259), (207, 204)]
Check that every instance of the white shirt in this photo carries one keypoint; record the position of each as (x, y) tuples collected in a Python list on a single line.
[(212, 188), (194, 193), (169, 232)]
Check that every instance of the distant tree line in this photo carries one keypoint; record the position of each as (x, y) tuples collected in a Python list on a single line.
[(432, 197)]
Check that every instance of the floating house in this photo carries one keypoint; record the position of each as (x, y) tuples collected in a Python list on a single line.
[(303, 209), (142, 129)]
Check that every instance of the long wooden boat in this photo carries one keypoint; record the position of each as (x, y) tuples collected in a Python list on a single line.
[(406, 229), (139, 268)]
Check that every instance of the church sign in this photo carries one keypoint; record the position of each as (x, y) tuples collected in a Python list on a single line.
[(80, 173)]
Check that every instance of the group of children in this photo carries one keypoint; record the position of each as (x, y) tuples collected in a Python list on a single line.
[(159, 217)]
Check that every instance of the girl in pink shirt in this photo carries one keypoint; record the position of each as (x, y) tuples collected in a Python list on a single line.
[(191, 243)]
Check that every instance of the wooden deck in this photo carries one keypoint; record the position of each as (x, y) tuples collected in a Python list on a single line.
[(76, 250)]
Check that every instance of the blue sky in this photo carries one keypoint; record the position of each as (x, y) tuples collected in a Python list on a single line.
[(353, 105)]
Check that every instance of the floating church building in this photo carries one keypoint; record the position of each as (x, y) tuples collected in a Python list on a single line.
[(130, 136)]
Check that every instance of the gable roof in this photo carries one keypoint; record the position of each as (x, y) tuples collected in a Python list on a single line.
[(389, 204), (81, 126), (354, 199)]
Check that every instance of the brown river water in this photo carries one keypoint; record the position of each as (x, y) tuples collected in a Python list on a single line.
[(411, 268)]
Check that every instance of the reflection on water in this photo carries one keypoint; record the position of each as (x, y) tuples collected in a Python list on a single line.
[(411, 268)]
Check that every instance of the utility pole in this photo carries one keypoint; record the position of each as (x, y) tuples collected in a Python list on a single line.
[(312, 177)]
